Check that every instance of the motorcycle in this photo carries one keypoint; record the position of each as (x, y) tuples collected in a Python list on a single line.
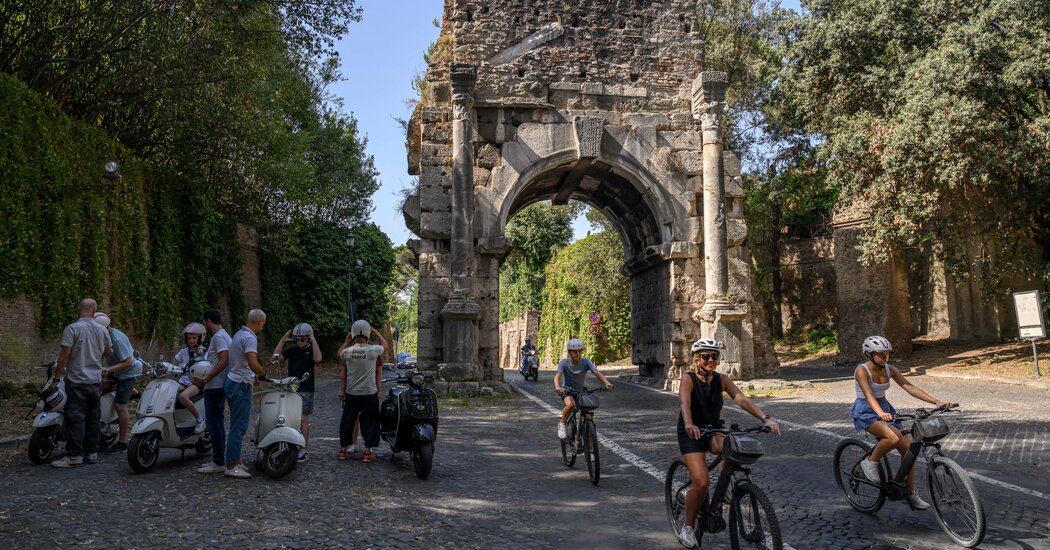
[(278, 438), (163, 422), (49, 422), (408, 419), (530, 367)]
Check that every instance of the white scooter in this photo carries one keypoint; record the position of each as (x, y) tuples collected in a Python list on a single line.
[(163, 422), (277, 435), (49, 421)]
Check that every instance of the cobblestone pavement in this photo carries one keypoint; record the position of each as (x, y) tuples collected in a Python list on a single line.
[(498, 482)]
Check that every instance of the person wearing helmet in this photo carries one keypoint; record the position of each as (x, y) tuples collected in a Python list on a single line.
[(359, 382), (83, 345), (301, 355), (528, 347), (873, 413), (700, 404), (123, 367), (574, 369), (193, 337)]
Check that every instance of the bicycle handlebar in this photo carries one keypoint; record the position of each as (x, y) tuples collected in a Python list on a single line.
[(734, 430), (922, 413), (570, 391)]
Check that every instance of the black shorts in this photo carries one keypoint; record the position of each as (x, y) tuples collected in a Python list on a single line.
[(123, 391), (688, 445)]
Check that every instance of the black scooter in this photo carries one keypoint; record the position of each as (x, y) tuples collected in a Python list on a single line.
[(530, 367), (408, 419)]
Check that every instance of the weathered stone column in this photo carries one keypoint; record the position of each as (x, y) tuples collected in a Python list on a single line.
[(461, 313), (718, 318)]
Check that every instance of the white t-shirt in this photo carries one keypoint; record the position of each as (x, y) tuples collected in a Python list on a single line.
[(245, 341), (183, 359), (361, 368), (220, 341)]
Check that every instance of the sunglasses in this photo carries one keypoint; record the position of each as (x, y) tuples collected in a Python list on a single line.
[(307, 339), (709, 356)]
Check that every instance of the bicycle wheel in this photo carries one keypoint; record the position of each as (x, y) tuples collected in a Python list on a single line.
[(590, 451), (956, 503), (677, 484), (568, 445), (752, 520), (862, 494)]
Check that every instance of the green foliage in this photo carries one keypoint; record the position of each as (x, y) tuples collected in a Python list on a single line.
[(537, 231), (376, 252), (935, 119), (583, 277), (403, 296)]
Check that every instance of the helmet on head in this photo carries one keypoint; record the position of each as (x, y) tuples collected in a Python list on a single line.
[(575, 344), (51, 399), (705, 344), (102, 319), (194, 328), (360, 328), (876, 344), (302, 330)]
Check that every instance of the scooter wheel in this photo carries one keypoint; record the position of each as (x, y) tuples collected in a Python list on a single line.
[(278, 460), (42, 444), (143, 451), (423, 459)]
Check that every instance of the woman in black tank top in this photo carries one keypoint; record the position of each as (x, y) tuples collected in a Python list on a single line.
[(700, 402)]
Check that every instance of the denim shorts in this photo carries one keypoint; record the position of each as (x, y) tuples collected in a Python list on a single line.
[(864, 416), (123, 391)]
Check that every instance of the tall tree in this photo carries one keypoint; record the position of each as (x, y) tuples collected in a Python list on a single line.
[(537, 232)]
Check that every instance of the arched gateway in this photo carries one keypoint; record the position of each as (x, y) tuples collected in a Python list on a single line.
[(602, 102)]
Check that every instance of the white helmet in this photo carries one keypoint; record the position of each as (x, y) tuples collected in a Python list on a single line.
[(360, 328), (194, 328), (876, 344), (575, 344), (705, 344), (102, 319), (302, 330)]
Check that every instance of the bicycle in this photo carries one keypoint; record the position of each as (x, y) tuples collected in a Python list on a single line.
[(747, 503), (581, 435), (956, 503)]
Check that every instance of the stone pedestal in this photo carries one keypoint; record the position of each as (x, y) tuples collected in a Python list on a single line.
[(460, 318)]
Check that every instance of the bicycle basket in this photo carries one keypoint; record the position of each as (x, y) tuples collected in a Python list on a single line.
[(587, 401), (743, 450), (930, 429)]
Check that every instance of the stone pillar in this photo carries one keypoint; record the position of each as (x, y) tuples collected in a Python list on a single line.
[(462, 313), (718, 318)]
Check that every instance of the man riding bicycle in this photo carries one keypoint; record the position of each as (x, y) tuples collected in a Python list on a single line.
[(574, 369)]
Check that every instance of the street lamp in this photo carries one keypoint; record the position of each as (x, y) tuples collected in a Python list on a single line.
[(351, 306)]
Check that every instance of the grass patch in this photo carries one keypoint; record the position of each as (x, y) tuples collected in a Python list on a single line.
[(462, 402), (752, 393), (812, 341)]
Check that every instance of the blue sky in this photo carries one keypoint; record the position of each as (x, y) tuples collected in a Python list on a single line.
[(379, 56)]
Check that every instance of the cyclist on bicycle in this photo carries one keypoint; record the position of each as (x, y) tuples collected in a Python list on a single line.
[(574, 368), (700, 401), (873, 413)]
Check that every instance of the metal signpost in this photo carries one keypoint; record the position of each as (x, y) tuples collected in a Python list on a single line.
[(1029, 310)]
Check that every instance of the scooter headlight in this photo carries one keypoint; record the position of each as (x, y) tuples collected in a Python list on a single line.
[(280, 420), (417, 379)]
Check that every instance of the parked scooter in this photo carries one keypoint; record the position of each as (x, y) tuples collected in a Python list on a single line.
[(163, 422), (530, 367), (277, 427), (408, 419), (49, 422)]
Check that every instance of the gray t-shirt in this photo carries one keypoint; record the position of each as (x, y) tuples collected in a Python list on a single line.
[(361, 368), (87, 341), (572, 375), (220, 341), (245, 341)]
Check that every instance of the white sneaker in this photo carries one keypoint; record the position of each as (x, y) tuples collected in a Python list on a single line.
[(68, 462), (211, 468), (562, 431), (687, 537), (351, 449), (871, 470), (917, 503), (237, 471), (199, 428)]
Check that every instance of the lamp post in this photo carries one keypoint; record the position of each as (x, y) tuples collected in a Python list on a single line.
[(351, 306)]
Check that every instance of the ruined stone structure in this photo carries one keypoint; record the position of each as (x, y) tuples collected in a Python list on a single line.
[(604, 102), (512, 335)]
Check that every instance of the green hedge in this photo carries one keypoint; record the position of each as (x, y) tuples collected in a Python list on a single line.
[(157, 236)]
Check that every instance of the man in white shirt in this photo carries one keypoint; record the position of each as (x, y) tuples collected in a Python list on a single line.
[(359, 383), (243, 373), (214, 394)]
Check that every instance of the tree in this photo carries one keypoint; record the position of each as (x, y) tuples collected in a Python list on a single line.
[(537, 231), (934, 118)]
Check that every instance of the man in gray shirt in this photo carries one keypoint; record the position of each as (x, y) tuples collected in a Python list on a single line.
[(214, 395), (83, 345)]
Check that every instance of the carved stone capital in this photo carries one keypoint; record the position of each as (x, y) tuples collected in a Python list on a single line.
[(709, 87), (463, 77)]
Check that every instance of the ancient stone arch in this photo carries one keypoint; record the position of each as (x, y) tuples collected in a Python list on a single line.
[(599, 101)]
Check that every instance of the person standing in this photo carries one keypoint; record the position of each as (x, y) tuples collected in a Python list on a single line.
[(359, 383), (244, 372), (83, 345), (214, 394), (301, 355), (125, 368)]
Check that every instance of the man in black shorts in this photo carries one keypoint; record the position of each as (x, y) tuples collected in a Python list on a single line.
[(302, 355)]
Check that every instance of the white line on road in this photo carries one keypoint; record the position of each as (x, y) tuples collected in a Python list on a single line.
[(833, 435)]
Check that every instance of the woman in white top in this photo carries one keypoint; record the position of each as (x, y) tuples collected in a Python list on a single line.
[(873, 413)]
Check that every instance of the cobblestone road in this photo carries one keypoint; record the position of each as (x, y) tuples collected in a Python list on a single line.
[(498, 482)]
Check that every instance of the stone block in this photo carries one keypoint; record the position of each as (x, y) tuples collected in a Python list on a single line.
[(565, 86), (434, 264), (588, 132), (436, 176), (679, 139), (658, 121), (436, 151), (435, 114), (434, 199), (592, 88), (730, 164), (736, 232), (544, 139), (482, 177), (439, 92), (690, 163), (439, 132), (435, 225), (487, 156)]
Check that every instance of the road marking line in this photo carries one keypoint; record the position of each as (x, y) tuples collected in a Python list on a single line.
[(986, 479), (616, 448)]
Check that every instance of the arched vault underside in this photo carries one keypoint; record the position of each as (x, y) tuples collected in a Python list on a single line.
[(540, 107)]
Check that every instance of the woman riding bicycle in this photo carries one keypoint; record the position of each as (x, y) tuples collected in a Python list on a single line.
[(700, 398), (873, 413)]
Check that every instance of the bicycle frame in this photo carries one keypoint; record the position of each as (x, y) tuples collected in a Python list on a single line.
[(897, 488)]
